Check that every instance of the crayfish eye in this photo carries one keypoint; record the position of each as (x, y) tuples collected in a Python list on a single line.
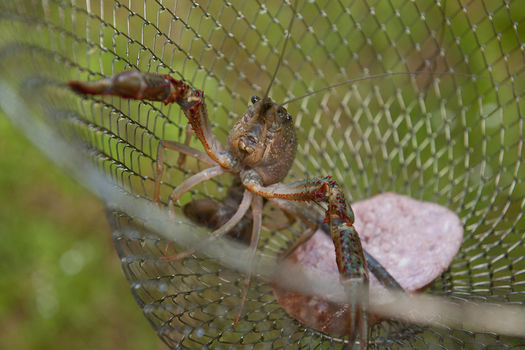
[(254, 99), (285, 116)]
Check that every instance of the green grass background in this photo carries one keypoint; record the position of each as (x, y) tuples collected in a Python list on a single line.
[(61, 286)]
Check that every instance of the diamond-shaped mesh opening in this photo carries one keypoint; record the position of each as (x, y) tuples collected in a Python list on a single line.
[(452, 134)]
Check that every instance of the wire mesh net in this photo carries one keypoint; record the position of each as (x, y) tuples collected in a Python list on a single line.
[(451, 134)]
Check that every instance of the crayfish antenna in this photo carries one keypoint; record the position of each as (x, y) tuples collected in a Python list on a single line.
[(376, 76), (282, 51)]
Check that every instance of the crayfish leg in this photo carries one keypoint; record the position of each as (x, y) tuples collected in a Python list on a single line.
[(222, 230), (349, 253), (182, 149), (162, 87), (257, 206)]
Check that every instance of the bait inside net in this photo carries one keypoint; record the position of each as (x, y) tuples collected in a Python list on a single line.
[(451, 133)]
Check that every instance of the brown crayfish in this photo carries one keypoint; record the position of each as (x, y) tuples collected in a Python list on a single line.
[(260, 150)]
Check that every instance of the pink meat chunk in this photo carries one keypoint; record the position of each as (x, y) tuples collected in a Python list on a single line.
[(415, 242)]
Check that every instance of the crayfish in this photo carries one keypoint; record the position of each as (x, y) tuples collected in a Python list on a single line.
[(260, 151)]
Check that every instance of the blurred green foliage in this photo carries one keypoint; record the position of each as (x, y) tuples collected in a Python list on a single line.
[(60, 276)]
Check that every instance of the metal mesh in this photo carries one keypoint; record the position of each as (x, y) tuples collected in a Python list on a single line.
[(455, 139)]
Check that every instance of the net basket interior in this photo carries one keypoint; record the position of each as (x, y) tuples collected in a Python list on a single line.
[(452, 134)]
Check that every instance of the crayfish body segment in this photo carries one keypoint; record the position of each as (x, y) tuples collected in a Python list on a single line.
[(260, 150)]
